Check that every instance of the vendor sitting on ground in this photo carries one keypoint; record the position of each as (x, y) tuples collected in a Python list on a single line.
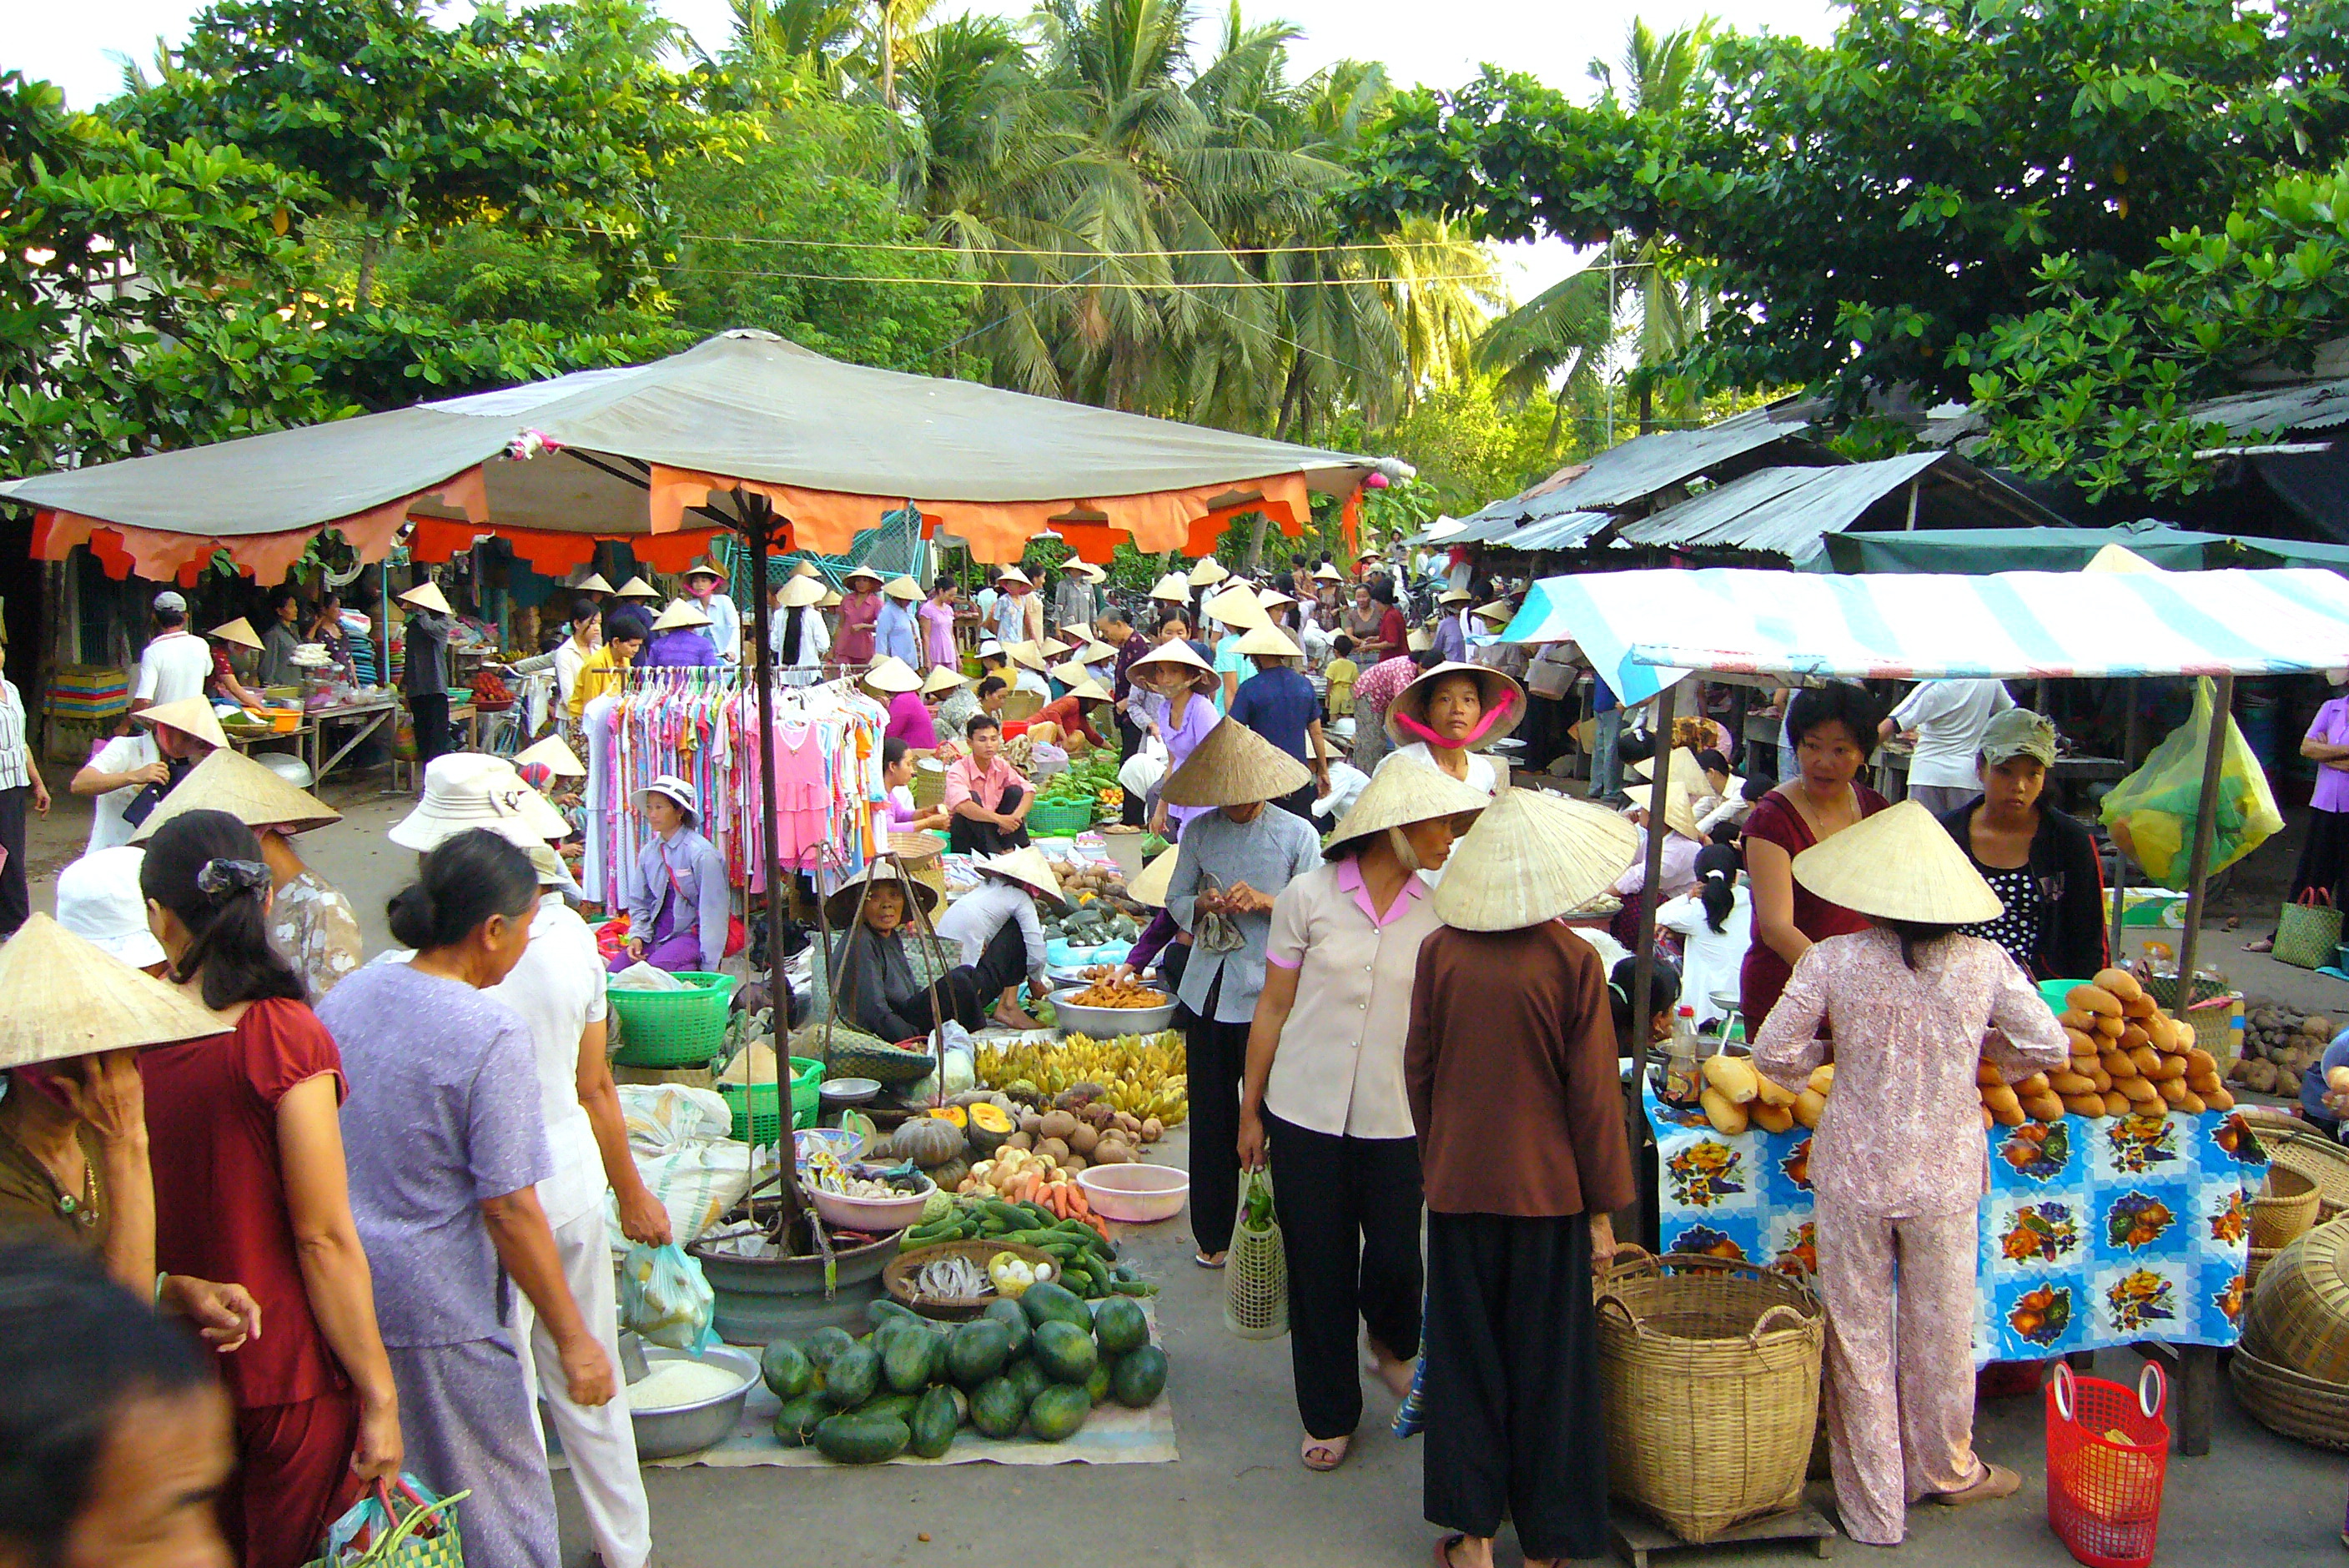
[(872, 975), (962, 702), (898, 814), (1682, 841), (678, 902), (1000, 934), (987, 798), (1070, 713)]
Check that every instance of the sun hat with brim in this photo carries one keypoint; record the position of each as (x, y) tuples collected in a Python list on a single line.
[(62, 995), (840, 907), (1530, 858), (991, 649), (1270, 597), (671, 788), (1403, 792), (238, 631), (426, 595), (891, 674), (553, 756), (1237, 607), (705, 567), (230, 782), (1504, 702), (591, 583), (1150, 885), (1327, 573), (806, 569), (1172, 589), (1207, 572), (1093, 574), (1176, 652), (1013, 574), (191, 716), (943, 679), (552, 871), (464, 790), (1027, 655), (1899, 865), (682, 615), (1680, 815), (1234, 766), (2018, 732), (799, 593), (1029, 868), (1268, 641), (98, 900), (638, 588), (904, 589)]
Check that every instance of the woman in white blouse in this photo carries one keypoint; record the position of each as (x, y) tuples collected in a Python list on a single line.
[(1323, 1097), (1446, 718)]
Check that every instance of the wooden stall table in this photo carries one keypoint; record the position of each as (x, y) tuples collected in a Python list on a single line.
[(296, 740), (367, 717)]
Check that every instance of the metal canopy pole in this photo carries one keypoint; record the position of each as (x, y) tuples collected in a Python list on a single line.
[(2206, 810), (1643, 975), (757, 530)]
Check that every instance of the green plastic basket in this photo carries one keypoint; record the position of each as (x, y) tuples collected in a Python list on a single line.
[(672, 1028), (1059, 820), (807, 1080)]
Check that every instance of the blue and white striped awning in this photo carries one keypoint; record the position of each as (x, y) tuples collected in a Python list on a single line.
[(1643, 629)]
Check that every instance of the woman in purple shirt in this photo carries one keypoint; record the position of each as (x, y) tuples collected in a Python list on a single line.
[(1181, 714), (2324, 856)]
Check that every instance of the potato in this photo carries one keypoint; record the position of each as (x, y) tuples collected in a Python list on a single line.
[(2261, 1078), (1772, 1118), (2085, 1104), (2116, 1102), (1734, 1075), (1725, 1114), (2123, 986), (2093, 999), (2069, 1083), (1809, 1106)]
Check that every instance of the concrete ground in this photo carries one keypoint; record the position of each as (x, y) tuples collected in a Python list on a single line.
[(1238, 1497)]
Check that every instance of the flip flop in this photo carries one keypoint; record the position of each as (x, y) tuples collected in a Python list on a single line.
[(2262, 944), (1443, 1550), (1335, 1448), (1204, 1261)]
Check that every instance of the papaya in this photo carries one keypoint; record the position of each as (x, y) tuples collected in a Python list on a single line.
[(998, 1408), (932, 1429), (856, 1439), (977, 1350), (1138, 1377), (783, 1367)]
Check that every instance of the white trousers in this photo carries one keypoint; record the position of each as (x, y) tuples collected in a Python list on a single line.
[(600, 1443)]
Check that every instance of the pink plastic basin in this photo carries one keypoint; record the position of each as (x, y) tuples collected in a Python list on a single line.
[(1137, 1194)]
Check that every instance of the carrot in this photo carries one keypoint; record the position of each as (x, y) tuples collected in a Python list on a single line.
[(1077, 1204), (1023, 1186), (1056, 1198)]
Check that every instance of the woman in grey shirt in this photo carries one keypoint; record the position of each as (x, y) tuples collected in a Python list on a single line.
[(1234, 858)]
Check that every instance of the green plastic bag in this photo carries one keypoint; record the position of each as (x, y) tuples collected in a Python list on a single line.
[(2151, 812)]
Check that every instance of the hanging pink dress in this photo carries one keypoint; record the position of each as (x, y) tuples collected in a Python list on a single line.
[(858, 613), (802, 797)]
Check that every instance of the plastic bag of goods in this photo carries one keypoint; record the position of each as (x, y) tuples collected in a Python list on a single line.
[(2151, 812), (665, 1298)]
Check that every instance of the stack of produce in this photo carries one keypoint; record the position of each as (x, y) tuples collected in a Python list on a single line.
[(1091, 780), (1032, 1178), (1140, 1076), (1038, 1364), (1079, 1245), (2280, 1045)]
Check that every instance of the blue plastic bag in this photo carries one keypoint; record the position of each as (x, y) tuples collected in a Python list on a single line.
[(665, 1298)]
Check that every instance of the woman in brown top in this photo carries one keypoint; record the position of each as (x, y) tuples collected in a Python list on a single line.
[(1510, 1068)]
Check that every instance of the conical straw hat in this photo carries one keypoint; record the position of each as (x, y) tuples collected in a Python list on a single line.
[(1077, 635), (1013, 574), (1687, 771), (1328, 573), (466, 789), (1454, 596), (1899, 865), (830, 600), (426, 595), (1084, 688), (638, 588), (943, 678), (1176, 652), (230, 782), (1680, 814), (853, 572), (1172, 589), (1149, 887), (553, 756), (840, 908), (1419, 640), (1270, 640), (904, 589), (891, 674), (1234, 766), (1026, 867), (1068, 674), (190, 716), (706, 567), (799, 593), (1207, 573), (806, 569), (1498, 613), (239, 632), (1237, 607), (1531, 857), (62, 996), (1403, 792), (1492, 687), (681, 616), (591, 583), (1027, 655)]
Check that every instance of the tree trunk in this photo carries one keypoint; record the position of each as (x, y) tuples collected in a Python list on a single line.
[(365, 292), (1647, 407), (1255, 542), (889, 55)]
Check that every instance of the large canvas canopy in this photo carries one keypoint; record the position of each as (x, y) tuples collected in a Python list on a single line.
[(655, 454)]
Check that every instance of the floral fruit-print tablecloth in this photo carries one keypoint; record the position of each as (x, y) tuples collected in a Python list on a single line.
[(2095, 1231)]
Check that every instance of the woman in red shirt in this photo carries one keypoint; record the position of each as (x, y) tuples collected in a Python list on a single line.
[(246, 1143), (1069, 712)]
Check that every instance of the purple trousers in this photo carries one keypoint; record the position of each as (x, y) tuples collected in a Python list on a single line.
[(663, 949)]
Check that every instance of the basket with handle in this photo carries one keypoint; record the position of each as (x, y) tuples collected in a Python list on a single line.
[(397, 1525), (683, 1029), (2107, 1454), (1710, 1368), (2308, 929), (1060, 819), (1256, 1273), (758, 1120)]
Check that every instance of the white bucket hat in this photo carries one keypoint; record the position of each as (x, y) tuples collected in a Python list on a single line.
[(98, 900), (464, 790), (675, 788)]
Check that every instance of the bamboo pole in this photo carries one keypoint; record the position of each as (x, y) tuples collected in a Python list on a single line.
[(1643, 975), (2206, 810)]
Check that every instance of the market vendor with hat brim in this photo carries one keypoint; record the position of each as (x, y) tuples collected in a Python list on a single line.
[(893, 683), (999, 934), (704, 584), (1322, 1097), (310, 921), (860, 615), (223, 683), (677, 900), (1449, 716), (1237, 857), (678, 641), (897, 630), (2042, 864), (1071, 713), (1897, 1161), (424, 674), (132, 774), (873, 980), (1510, 1066), (1179, 708)]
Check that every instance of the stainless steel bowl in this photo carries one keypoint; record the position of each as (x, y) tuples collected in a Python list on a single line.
[(689, 1428), (1106, 1023)]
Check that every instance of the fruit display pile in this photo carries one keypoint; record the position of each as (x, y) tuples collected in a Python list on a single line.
[(1091, 780), (1141, 1075), (1037, 1364)]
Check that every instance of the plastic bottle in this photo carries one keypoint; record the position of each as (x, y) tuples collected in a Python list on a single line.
[(1682, 1082)]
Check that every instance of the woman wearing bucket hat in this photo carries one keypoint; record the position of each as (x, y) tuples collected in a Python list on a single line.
[(1323, 1092), (860, 617), (1898, 1163), (999, 933), (1448, 717), (1237, 857), (132, 774), (1180, 710), (1511, 1069), (679, 907), (310, 921), (705, 589), (1278, 703)]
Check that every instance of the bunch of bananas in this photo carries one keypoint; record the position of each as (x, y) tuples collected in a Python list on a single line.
[(1141, 1075)]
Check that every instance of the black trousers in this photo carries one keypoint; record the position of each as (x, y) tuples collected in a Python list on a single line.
[(2324, 857), (1135, 812), (1350, 1227), (967, 836), (1213, 1054), (1514, 1423), (1299, 802), (430, 712), (16, 903), (967, 992)]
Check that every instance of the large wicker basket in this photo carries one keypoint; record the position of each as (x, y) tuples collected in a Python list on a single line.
[(2290, 1402), (1710, 1368), (2285, 1208), (2316, 1157), (2299, 1315), (924, 859)]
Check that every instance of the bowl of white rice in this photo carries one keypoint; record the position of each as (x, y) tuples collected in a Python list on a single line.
[(684, 1402)]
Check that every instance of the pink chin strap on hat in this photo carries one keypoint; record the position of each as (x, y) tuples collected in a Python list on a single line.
[(1418, 731)]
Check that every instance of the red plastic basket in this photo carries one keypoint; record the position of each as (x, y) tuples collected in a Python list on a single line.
[(2104, 1493)]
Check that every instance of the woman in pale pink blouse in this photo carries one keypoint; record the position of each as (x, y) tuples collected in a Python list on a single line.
[(1899, 1163)]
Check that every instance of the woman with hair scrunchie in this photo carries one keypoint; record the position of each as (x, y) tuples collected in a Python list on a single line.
[(246, 1145), (448, 1147), (1715, 923)]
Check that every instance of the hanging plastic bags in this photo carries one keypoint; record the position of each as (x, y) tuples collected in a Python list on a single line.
[(396, 1526), (2151, 812), (665, 1298)]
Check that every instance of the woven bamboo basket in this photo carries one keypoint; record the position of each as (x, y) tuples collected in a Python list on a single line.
[(1710, 1368), (2299, 1315), (923, 857), (2259, 1259), (2284, 1209), (1019, 704), (2316, 1157), (928, 788), (2289, 1402)]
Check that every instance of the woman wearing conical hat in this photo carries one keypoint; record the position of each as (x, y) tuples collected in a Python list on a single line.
[(1897, 1163)]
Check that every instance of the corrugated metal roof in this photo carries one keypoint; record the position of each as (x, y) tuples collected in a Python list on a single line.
[(1786, 512), (2317, 406), (1572, 532)]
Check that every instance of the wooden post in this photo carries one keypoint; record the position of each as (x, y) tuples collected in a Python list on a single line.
[(757, 530), (2197, 867)]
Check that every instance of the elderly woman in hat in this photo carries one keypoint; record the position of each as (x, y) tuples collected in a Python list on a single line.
[(705, 585), (1237, 858), (1510, 1066), (1180, 712), (1898, 1163), (873, 974), (1447, 717), (860, 617), (131, 774), (1324, 1094), (677, 900), (681, 640), (1000, 934), (1278, 703)]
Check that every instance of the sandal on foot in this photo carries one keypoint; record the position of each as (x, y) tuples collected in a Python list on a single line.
[(1444, 1550), (1209, 1259), (1324, 1453), (1997, 1481), (2263, 944)]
